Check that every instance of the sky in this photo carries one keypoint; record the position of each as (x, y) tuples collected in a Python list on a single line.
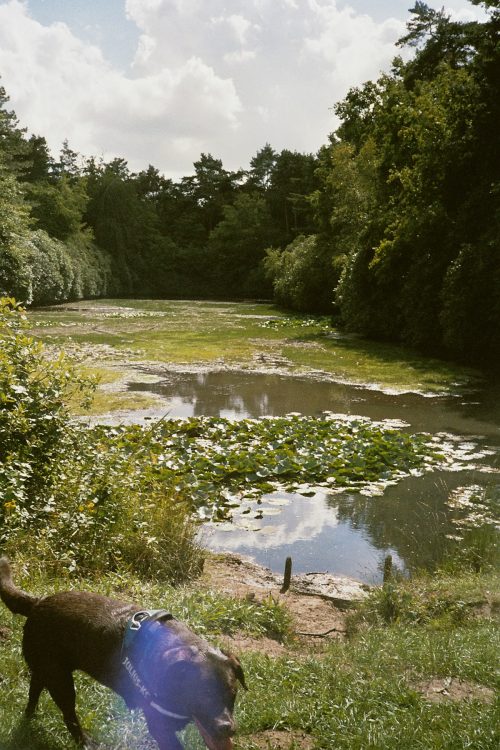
[(161, 81)]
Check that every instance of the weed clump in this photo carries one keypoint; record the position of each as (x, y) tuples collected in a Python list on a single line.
[(441, 600)]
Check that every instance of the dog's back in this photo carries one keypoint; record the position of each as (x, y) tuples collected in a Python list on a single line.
[(71, 629), (76, 630)]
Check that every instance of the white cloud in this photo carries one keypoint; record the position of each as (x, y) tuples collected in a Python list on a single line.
[(353, 47), (460, 11), (240, 56), (63, 88), (206, 75), (239, 25), (289, 60)]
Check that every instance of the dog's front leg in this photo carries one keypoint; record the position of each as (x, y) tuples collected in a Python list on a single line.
[(162, 732)]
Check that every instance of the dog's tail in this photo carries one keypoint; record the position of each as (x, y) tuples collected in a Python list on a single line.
[(15, 599)]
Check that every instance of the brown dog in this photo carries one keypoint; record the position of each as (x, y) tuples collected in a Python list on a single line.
[(150, 659)]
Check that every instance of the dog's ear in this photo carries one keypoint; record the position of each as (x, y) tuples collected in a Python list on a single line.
[(238, 670)]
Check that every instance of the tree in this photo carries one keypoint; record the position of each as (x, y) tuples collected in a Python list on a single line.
[(261, 169), (291, 182), (237, 245), (434, 197), (13, 145), (69, 163), (113, 214), (59, 206), (213, 187), (42, 165)]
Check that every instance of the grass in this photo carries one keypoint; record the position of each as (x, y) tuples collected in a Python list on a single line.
[(237, 335), (109, 397), (376, 363), (364, 692)]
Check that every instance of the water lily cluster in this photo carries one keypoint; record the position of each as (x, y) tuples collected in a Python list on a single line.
[(216, 462)]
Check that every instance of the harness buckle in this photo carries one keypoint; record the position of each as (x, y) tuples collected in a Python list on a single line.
[(137, 619)]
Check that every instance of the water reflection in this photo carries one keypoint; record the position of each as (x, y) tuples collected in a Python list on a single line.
[(348, 533), (237, 395), (308, 529)]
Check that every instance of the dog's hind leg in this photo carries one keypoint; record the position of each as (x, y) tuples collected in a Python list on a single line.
[(62, 690), (36, 687)]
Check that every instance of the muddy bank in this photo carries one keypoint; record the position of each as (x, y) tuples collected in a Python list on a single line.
[(317, 602)]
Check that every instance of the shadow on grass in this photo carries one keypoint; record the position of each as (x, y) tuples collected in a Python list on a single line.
[(428, 368)]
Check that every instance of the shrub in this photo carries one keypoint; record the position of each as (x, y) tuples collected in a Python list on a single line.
[(303, 275), (75, 496)]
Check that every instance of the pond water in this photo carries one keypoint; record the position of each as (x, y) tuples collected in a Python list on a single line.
[(346, 534), (238, 395)]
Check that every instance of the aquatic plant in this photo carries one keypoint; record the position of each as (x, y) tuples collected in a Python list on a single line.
[(214, 463)]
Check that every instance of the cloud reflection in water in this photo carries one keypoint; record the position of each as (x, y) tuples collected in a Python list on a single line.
[(307, 528)]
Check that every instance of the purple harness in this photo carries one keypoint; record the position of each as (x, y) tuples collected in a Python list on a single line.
[(142, 621)]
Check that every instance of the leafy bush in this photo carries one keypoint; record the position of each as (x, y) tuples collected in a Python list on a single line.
[(14, 271), (51, 270), (77, 501), (303, 275), (60, 272), (34, 418)]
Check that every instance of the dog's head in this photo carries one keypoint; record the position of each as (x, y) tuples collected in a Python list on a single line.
[(203, 683)]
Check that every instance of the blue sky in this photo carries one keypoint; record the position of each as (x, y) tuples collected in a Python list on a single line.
[(101, 22), (160, 81)]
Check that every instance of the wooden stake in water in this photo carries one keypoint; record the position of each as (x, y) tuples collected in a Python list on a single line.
[(387, 568), (287, 576)]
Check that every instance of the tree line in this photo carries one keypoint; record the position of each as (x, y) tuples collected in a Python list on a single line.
[(393, 226)]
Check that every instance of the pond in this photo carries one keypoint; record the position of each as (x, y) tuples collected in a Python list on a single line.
[(348, 533)]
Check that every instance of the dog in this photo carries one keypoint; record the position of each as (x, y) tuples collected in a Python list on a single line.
[(153, 661)]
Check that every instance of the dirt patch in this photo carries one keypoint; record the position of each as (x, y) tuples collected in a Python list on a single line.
[(5, 633), (237, 576), (442, 689), (315, 618), (273, 739), (240, 643)]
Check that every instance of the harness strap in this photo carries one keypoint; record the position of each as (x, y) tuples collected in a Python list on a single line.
[(133, 627), (164, 711)]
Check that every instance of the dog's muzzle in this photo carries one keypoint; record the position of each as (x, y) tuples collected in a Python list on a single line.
[(223, 740)]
